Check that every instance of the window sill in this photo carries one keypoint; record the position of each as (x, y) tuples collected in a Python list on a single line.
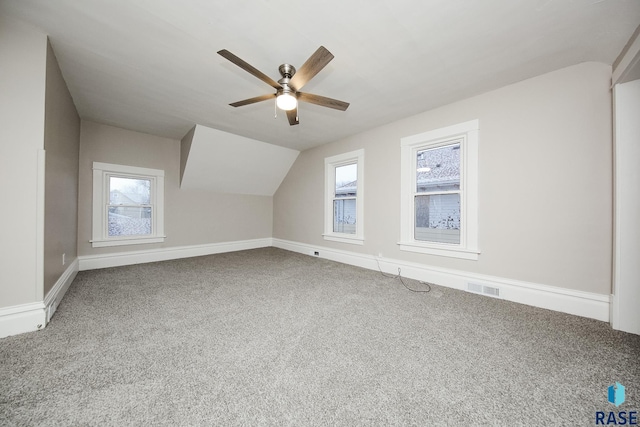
[(344, 239), (123, 242), (451, 252)]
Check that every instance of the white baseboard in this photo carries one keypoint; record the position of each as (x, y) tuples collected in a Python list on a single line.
[(34, 316), (585, 304), (22, 318), (55, 295), (91, 262)]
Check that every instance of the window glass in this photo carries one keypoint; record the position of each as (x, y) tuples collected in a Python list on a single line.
[(438, 218), (438, 169), (344, 204), (129, 207), (126, 191), (344, 216), (129, 221), (437, 199), (346, 180)]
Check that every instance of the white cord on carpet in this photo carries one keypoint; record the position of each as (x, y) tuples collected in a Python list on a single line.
[(399, 276)]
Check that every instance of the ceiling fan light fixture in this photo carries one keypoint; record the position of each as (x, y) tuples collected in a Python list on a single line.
[(288, 87), (286, 101)]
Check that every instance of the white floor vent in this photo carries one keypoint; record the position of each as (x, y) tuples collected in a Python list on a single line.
[(483, 289)]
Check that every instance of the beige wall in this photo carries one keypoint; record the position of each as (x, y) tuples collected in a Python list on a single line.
[(191, 217), (62, 144), (23, 53), (545, 182)]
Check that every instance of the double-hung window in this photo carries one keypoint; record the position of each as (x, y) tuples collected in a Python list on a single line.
[(344, 192), (439, 211), (436, 195), (128, 205)]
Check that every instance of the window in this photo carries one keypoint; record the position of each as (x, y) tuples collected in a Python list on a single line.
[(128, 205), (344, 192), (439, 211)]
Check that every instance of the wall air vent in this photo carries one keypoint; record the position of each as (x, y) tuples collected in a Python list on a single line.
[(477, 288)]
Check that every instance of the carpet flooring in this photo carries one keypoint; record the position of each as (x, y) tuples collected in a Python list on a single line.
[(270, 337)]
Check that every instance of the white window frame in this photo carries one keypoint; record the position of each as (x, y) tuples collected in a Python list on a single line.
[(330, 165), (100, 234), (467, 135)]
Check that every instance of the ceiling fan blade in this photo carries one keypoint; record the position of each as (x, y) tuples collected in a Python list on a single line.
[(249, 68), (311, 67), (292, 115), (323, 101), (253, 100)]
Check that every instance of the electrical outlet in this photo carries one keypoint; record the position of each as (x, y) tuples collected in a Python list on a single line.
[(64, 261)]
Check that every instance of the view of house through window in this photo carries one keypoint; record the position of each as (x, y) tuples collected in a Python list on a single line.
[(129, 207), (437, 197), (344, 202), (344, 193), (439, 191)]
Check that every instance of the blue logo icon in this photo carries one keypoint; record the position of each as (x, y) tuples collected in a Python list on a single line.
[(616, 394)]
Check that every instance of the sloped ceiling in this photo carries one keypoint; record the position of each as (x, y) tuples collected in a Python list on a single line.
[(151, 65), (228, 163)]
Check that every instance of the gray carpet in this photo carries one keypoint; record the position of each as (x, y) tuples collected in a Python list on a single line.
[(270, 337)]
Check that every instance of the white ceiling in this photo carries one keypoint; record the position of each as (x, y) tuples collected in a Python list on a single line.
[(151, 65)]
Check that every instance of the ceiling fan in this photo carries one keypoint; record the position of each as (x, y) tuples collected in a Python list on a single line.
[(288, 87)]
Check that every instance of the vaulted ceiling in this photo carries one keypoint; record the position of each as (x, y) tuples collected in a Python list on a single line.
[(151, 65)]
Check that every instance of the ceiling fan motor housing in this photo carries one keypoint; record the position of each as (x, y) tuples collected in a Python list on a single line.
[(287, 71)]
